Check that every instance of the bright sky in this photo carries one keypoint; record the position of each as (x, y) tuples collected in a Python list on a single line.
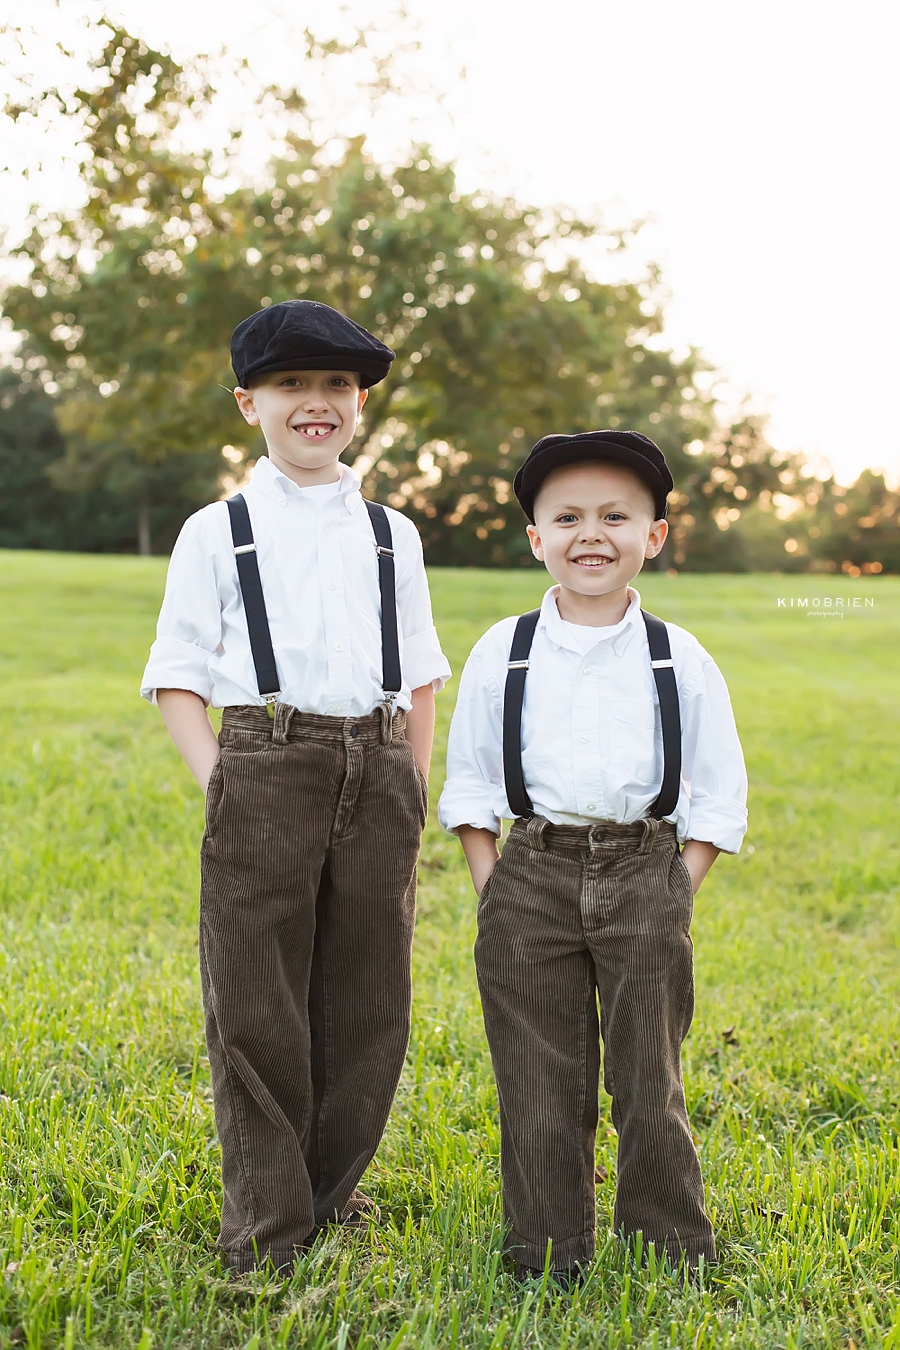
[(759, 140)]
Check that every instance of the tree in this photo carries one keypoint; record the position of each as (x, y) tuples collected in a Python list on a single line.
[(500, 334), (850, 529), (731, 507), (35, 511), (129, 304)]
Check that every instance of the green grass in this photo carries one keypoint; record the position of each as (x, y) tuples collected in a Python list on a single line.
[(108, 1169)]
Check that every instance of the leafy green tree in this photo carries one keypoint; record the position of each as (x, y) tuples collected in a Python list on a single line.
[(130, 301), (35, 511), (500, 334), (731, 508), (850, 529)]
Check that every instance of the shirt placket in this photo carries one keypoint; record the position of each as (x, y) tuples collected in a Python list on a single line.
[(332, 574), (588, 781)]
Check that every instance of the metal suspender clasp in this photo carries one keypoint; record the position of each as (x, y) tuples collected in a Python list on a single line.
[(517, 665), (271, 700), (660, 665), (384, 552), (245, 548)]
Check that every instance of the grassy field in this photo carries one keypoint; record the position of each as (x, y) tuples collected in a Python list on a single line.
[(108, 1170)]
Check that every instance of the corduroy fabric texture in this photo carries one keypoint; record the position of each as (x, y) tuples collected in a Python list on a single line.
[(568, 913), (307, 908)]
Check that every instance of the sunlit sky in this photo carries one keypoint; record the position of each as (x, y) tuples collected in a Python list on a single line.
[(759, 142)]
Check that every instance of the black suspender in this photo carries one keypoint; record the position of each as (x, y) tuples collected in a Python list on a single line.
[(513, 698), (669, 711), (390, 640), (255, 606)]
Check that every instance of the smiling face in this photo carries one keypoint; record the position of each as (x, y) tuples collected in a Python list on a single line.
[(308, 418), (593, 529)]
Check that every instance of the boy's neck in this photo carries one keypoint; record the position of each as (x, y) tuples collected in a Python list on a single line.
[(317, 477), (593, 611)]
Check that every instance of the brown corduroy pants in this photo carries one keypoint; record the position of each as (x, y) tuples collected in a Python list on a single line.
[(307, 907), (568, 913)]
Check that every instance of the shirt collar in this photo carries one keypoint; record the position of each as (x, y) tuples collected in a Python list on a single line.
[(268, 480), (617, 633)]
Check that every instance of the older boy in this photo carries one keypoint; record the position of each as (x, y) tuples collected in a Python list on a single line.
[(303, 611), (609, 736)]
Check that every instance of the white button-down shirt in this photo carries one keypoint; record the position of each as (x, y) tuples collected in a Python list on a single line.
[(591, 732), (319, 570)]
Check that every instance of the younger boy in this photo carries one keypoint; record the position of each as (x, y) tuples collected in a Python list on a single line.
[(304, 613), (610, 738)]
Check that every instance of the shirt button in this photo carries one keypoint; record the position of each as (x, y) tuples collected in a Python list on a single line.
[(332, 585), (339, 646), (338, 708), (585, 739), (591, 806), (588, 670), (326, 529)]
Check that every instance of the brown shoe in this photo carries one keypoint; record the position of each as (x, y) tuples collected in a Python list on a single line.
[(358, 1210)]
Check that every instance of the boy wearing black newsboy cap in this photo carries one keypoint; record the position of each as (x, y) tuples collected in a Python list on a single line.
[(303, 612), (607, 735)]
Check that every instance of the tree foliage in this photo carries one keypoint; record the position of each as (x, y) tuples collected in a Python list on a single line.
[(501, 335)]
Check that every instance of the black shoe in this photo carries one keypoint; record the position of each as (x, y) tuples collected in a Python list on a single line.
[(359, 1209)]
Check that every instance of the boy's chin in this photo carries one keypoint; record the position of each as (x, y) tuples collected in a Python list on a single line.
[(312, 457)]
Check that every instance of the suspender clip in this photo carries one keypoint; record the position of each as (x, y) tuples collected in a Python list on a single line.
[(245, 548), (517, 665), (384, 552), (661, 665), (271, 700)]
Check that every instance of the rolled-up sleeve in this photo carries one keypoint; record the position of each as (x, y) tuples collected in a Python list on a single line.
[(713, 762), (474, 785), (423, 660), (189, 631)]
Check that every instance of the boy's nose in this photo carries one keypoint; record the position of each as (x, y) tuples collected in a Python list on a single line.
[(592, 533)]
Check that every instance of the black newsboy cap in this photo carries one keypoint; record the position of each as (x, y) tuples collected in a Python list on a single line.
[(306, 335), (629, 448)]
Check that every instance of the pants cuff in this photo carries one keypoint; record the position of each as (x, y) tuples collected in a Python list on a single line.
[(571, 1251), (243, 1262), (674, 1250)]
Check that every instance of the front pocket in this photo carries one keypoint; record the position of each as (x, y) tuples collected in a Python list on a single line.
[(215, 792), (683, 885), (633, 739)]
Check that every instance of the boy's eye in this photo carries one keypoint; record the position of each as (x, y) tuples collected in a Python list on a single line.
[(615, 515), (566, 518)]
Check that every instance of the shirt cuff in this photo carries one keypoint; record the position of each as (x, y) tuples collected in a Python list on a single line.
[(174, 664), (424, 662), (468, 803), (719, 822)]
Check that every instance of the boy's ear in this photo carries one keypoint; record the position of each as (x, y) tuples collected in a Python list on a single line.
[(657, 537), (534, 539), (363, 395), (244, 400)]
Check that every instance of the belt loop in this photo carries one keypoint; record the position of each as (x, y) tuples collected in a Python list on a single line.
[(284, 712), (386, 713), (534, 831), (650, 828)]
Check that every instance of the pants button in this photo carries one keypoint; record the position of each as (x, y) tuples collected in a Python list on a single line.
[(354, 731)]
